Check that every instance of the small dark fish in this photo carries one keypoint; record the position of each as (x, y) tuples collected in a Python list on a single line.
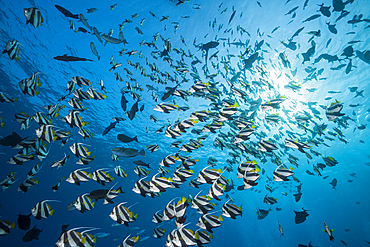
[(11, 140), (232, 16), (327, 43), (134, 109), (338, 5), (170, 91), (300, 217), (310, 173), (124, 102), (305, 4), (313, 17), (325, 10), (70, 58), (24, 221), (334, 183), (296, 33), (126, 139), (325, 177), (83, 30), (32, 234), (110, 127), (332, 28), (292, 10), (66, 13), (297, 196)]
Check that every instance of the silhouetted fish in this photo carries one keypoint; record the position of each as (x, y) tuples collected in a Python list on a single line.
[(300, 217), (70, 58), (11, 140)]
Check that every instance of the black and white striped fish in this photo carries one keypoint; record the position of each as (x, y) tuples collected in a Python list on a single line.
[(208, 222), (160, 184), (33, 16), (142, 187), (46, 133), (79, 150), (120, 172), (216, 190), (78, 176), (62, 162), (158, 232), (34, 170), (141, 171), (168, 160), (84, 203), (42, 210), (129, 242), (122, 215), (157, 217), (208, 175), (12, 48), (282, 174), (102, 177), (28, 183), (169, 211), (202, 237), (231, 210), (180, 175)]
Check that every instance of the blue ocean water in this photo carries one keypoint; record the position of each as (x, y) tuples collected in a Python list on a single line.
[(264, 28)]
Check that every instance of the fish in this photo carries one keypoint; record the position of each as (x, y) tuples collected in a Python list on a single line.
[(127, 152), (12, 48), (127, 242), (33, 16), (84, 203), (334, 183), (134, 109), (101, 177), (42, 210), (126, 139), (91, 10), (313, 17), (66, 13), (24, 221), (5, 227), (270, 200), (32, 234), (11, 140), (78, 176), (67, 58), (158, 232), (94, 51), (111, 126), (328, 231), (324, 10), (300, 216), (122, 215), (232, 16), (262, 213), (208, 222), (56, 187)]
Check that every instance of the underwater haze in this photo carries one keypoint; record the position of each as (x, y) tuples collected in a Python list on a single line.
[(185, 123)]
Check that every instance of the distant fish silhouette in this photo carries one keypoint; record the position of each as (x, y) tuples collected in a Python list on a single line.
[(66, 13), (11, 140), (300, 217), (334, 183), (297, 196), (70, 58)]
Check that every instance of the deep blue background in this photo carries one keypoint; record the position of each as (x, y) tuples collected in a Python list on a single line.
[(343, 208)]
